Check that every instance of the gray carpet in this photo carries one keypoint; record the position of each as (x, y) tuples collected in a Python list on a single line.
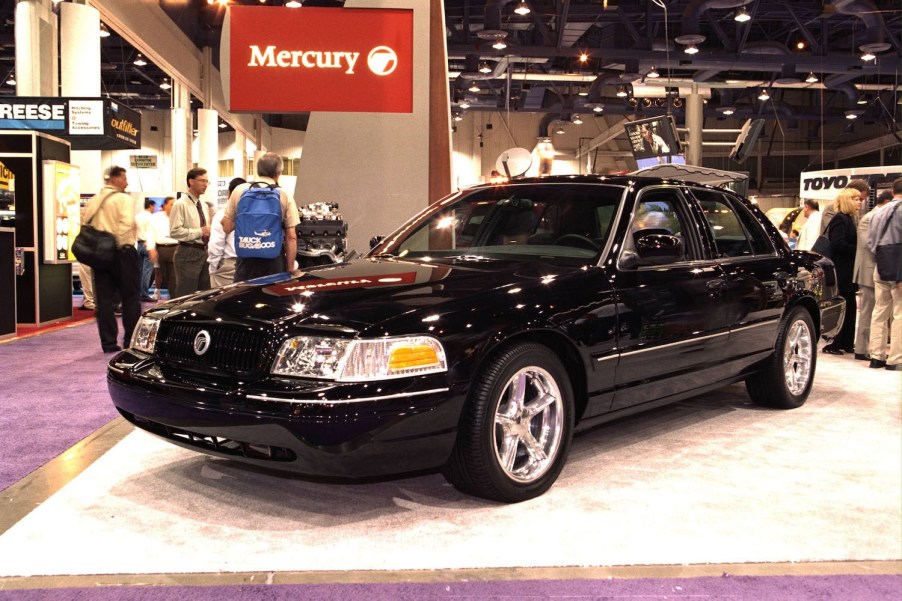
[(711, 480)]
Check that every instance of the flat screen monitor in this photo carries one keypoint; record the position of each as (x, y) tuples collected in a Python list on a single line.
[(654, 141)]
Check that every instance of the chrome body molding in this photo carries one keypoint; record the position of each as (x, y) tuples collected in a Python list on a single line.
[(386, 397)]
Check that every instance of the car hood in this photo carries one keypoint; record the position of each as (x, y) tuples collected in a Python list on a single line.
[(364, 292)]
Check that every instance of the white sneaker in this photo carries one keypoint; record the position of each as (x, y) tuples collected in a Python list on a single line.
[(156, 295)]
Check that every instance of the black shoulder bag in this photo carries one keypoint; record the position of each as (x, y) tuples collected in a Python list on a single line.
[(889, 256), (93, 247)]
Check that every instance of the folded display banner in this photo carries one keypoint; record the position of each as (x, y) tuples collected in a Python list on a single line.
[(284, 60)]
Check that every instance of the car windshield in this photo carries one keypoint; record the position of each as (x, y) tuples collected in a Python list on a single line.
[(528, 221)]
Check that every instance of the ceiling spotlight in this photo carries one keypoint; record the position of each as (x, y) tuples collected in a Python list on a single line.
[(292, 4), (522, 8), (598, 108), (104, 32), (485, 68), (11, 81), (851, 115), (583, 92), (165, 85), (576, 120), (140, 60), (691, 49), (742, 15), (621, 92), (474, 87), (499, 45), (800, 45), (727, 110), (862, 100), (653, 73), (463, 104), (458, 117), (868, 56), (812, 78), (764, 96), (560, 130), (222, 125), (584, 57)]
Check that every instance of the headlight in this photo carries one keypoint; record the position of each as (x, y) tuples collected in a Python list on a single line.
[(144, 338), (345, 360)]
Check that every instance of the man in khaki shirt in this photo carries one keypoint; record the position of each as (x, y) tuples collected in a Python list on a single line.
[(113, 211)]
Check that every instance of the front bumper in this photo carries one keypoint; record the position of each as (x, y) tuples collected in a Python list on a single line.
[(314, 428)]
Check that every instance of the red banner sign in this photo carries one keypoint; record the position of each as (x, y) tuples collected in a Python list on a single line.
[(285, 60)]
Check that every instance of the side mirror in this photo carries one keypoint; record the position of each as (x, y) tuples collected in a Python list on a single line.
[(656, 248), (375, 241)]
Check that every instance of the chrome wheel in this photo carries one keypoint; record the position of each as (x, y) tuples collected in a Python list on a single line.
[(529, 424), (797, 357)]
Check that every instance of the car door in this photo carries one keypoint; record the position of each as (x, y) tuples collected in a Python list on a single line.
[(755, 274), (672, 322)]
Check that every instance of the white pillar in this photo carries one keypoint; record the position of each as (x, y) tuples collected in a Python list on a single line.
[(80, 76), (36, 54), (208, 150), (695, 121), (181, 135)]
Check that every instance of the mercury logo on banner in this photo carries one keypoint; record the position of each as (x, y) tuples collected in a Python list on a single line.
[(269, 72)]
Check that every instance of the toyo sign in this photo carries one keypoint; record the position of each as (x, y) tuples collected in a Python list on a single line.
[(320, 59)]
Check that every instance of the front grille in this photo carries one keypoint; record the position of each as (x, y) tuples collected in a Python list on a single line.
[(218, 444), (233, 350)]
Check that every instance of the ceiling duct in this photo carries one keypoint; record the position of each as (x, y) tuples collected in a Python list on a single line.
[(840, 83), (868, 12), (595, 90), (693, 14), (766, 47)]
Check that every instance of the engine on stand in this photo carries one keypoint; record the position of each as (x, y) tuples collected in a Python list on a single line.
[(322, 235)]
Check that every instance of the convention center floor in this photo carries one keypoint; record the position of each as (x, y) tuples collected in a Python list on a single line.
[(710, 498)]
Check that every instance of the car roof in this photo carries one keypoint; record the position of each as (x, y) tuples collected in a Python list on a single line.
[(639, 181)]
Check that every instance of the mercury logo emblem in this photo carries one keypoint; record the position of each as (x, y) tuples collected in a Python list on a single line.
[(382, 60), (201, 342)]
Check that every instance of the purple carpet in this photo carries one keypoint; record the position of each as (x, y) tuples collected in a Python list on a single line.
[(757, 588), (54, 394)]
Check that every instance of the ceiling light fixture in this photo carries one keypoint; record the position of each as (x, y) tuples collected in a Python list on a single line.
[(598, 108), (222, 125), (764, 96), (851, 115), (463, 104), (458, 117), (868, 56), (11, 81), (584, 57), (653, 73), (165, 85), (140, 60), (474, 87), (583, 92), (691, 49), (742, 15), (499, 45), (485, 68), (104, 32), (576, 120), (812, 78), (560, 130), (862, 100), (292, 4), (621, 92), (522, 8)]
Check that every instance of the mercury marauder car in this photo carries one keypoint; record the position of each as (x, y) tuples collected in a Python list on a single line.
[(482, 333)]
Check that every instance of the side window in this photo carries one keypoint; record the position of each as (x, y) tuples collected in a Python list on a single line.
[(736, 232), (658, 213)]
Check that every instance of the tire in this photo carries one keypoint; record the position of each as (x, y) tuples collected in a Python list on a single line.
[(516, 429), (786, 379)]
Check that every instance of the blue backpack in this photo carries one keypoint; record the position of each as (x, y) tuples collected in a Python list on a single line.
[(258, 222)]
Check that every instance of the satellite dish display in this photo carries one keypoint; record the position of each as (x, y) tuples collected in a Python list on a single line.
[(513, 162)]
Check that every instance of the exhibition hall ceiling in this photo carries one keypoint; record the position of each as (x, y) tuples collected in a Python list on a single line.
[(568, 57)]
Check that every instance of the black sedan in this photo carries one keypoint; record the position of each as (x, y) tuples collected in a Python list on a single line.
[(478, 336)]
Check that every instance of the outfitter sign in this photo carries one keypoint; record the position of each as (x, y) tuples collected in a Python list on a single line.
[(87, 123), (320, 59)]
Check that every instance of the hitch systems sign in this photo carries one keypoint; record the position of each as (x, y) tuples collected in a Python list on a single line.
[(284, 60)]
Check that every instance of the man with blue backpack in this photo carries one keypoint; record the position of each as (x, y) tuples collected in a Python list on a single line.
[(264, 220)]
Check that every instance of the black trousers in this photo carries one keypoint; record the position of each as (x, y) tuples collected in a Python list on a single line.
[(123, 282), (248, 269)]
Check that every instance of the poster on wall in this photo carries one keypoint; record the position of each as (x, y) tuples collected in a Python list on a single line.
[(62, 210)]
